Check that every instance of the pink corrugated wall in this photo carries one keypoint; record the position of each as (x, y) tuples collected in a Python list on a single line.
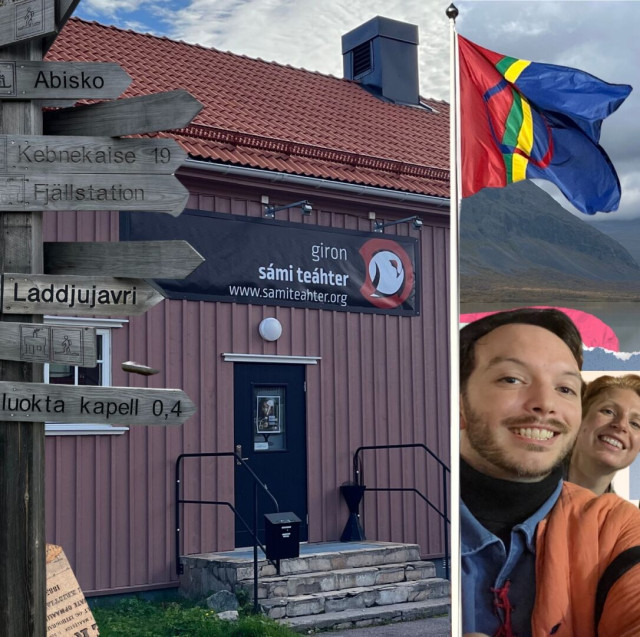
[(381, 380)]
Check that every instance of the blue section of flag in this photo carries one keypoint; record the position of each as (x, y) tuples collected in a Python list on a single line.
[(573, 105)]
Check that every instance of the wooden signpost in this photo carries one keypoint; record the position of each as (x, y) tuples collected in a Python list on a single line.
[(155, 193), (140, 259), (35, 154), (26, 19), (127, 116), (73, 295), (61, 80), (39, 343), (35, 402), (76, 171)]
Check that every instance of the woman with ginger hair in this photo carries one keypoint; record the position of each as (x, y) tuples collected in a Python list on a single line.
[(609, 436)]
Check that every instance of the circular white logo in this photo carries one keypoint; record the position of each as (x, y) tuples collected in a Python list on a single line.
[(387, 273)]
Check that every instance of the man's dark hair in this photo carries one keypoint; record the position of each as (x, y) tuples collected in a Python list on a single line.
[(553, 320)]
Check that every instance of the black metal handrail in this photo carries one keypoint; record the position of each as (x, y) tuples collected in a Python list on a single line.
[(358, 478), (254, 532)]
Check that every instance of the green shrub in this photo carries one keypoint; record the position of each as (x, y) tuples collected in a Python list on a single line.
[(134, 617)]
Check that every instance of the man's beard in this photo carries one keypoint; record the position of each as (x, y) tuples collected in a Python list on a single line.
[(483, 441)]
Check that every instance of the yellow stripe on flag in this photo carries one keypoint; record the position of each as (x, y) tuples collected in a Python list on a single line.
[(513, 72)]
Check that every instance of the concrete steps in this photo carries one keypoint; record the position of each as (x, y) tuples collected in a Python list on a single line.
[(329, 585)]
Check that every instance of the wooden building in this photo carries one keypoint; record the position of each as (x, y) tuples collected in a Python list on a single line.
[(362, 359)]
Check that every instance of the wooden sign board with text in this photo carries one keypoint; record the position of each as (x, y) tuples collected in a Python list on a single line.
[(38, 402), (45, 154), (154, 193), (68, 614), (26, 19), (61, 80), (127, 116), (38, 343), (140, 259), (73, 295)]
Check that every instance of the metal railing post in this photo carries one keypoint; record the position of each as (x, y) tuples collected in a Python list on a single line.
[(255, 548)]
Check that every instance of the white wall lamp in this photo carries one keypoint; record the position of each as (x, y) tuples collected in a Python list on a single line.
[(270, 329), (379, 226), (304, 205)]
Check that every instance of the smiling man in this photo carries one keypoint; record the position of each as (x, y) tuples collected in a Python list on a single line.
[(534, 548)]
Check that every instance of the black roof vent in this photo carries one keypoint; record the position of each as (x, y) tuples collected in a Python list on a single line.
[(382, 56), (362, 61)]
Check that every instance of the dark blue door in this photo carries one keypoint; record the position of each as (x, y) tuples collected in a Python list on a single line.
[(270, 430)]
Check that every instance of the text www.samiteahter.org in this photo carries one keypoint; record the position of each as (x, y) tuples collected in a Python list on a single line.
[(287, 294)]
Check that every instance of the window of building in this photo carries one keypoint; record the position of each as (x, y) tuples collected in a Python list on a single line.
[(100, 375)]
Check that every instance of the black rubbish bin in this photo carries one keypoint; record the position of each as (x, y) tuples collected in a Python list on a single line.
[(282, 535)]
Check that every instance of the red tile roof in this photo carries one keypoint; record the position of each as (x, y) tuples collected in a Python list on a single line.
[(270, 116)]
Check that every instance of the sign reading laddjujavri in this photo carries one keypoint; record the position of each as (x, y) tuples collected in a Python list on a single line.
[(37, 402), (73, 295), (157, 193), (46, 154), (43, 343), (26, 19), (251, 260), (61, 80)]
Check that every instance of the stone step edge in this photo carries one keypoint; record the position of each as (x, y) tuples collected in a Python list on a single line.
[(346, 592), (227, 560), (406, 611), (274, 579)]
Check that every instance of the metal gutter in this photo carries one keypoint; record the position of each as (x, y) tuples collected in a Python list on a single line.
[(316, 183)]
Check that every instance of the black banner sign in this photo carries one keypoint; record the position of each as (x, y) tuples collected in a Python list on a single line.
[(266, 262)]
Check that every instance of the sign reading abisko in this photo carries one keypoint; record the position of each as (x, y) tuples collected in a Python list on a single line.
[(249, 260)]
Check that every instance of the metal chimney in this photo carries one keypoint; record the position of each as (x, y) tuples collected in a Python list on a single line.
[(382, 56)]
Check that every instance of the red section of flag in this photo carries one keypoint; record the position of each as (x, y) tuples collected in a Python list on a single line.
[(482, 162)]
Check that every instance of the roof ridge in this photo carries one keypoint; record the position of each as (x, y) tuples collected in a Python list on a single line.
[(288, 147), (196, 45)]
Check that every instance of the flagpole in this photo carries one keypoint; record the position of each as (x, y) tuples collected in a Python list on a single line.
[(454, 313)]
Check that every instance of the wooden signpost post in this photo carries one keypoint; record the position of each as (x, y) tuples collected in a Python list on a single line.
[(38, 343), (140, 259), (24, 80), (127, 116), (76, 171)]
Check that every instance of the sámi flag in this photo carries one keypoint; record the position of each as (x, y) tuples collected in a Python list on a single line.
[(526, 120)]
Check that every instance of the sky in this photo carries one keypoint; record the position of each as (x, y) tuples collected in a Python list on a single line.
[(600, 37)]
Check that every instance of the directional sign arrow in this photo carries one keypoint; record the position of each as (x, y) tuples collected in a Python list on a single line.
[(140, 259), (37, 343), (45, 154), (25, 20), (127, 116), (38, 402), (62, 80), (155, 193), (73, 295)]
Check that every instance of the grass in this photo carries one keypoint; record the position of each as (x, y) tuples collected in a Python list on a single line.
[(134, 617)]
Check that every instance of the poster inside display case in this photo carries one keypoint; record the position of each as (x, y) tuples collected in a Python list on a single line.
[(268, 418)]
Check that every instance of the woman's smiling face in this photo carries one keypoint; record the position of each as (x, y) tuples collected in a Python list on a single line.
[(610, 432)]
